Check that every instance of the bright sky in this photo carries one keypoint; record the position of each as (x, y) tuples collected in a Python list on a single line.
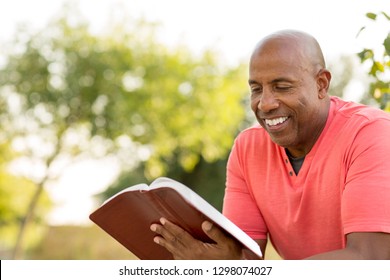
[(231, 26)]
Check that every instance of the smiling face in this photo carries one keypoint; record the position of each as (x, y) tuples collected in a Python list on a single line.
[(289, 86)]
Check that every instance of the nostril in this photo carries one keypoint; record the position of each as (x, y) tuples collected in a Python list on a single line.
[(268, 105)]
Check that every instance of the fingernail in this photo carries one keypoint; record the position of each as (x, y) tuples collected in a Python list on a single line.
[(163, 221), (207, 226), (153, 227), (156, 240)]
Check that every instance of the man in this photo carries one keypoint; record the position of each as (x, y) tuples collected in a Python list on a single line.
[(314, 177)]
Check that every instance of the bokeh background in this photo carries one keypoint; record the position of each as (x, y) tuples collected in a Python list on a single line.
[(98, 95)]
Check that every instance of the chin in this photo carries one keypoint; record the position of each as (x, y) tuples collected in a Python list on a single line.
[(283, 142)]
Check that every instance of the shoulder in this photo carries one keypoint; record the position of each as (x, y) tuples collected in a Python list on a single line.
[(360, 133), (351, 115), (253, 135), (351, 109), (256, 129)]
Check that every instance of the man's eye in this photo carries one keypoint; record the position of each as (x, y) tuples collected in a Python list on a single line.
[(282, 88), (256, 90)]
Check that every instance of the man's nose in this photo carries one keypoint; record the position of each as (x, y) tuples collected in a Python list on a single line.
[(268, 102)]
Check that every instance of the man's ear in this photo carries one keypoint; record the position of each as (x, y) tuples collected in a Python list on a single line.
[(323, 82)]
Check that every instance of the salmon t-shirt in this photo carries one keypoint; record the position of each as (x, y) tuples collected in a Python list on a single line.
[(343, 185)]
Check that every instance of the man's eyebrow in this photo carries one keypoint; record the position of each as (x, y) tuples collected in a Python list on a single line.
[(282, 79), (274, 81), (251, 82)]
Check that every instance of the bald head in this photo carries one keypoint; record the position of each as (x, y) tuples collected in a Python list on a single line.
[(300, 45)]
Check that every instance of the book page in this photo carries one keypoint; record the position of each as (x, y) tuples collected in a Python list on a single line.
[(138, 187)]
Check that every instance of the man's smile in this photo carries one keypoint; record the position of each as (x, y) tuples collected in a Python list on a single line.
[(275, 121)]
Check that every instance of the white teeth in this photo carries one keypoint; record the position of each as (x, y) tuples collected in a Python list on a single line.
[(272, 122)]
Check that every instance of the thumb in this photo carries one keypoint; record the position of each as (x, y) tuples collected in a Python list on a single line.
[(213, 232), (229, 247)]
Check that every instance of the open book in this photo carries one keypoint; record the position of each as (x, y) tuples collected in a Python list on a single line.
[(127, 217)]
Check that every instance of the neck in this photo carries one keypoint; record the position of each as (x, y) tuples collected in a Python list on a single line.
[(302, 150)]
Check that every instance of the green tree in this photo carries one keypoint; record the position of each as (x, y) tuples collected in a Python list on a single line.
[(379, 64), (15, 193), (122, 93)]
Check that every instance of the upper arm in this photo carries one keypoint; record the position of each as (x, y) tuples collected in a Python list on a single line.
[(239, 204)]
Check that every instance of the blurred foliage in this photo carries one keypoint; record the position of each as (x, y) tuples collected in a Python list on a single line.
[(65, 93), (15, 193), (126, 87), (379, 64)]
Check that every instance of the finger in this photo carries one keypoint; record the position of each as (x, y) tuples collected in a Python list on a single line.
[(214, 232), (224, 242), (177, 232), (163, 234), (170, 236)]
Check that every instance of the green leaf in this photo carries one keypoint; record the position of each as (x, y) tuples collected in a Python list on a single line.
[(386, 44), (376, 67), (371, 16), (365, 54), (380, 67), (386, 15)]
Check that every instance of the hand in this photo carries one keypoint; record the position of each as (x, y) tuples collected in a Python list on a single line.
[(184, 247)]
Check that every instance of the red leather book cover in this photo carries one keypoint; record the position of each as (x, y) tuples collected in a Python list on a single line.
[(127, 217)]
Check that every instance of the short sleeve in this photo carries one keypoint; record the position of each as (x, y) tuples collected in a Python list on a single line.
[(239, 205), (366, 196)]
